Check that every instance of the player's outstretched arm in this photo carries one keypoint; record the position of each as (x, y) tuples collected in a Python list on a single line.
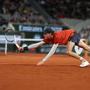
[(52, 51), (30, 46), (36, 45)]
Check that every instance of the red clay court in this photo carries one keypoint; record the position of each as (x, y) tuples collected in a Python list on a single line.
[(61, 72)]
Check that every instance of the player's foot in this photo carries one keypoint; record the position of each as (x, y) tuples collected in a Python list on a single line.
[(84, 64)]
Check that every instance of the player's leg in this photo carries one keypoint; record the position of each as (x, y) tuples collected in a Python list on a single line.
[(70, 52), (85, 50), (70, 45), (84, 45)]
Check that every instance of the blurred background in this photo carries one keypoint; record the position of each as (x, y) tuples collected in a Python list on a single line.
[(30, 17)]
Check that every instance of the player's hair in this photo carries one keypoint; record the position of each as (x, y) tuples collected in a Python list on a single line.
[(48, 30)]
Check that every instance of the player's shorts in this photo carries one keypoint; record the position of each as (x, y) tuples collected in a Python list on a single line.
[(75, 38)]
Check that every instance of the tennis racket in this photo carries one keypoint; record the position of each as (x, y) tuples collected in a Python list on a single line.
[(10, 36)]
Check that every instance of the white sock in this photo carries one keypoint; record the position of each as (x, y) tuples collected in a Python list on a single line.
[(82, 59)]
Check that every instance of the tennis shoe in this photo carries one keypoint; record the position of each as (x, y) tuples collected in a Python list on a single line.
[(84, 64)]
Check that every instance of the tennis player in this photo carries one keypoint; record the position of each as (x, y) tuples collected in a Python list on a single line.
[(66, 37)]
